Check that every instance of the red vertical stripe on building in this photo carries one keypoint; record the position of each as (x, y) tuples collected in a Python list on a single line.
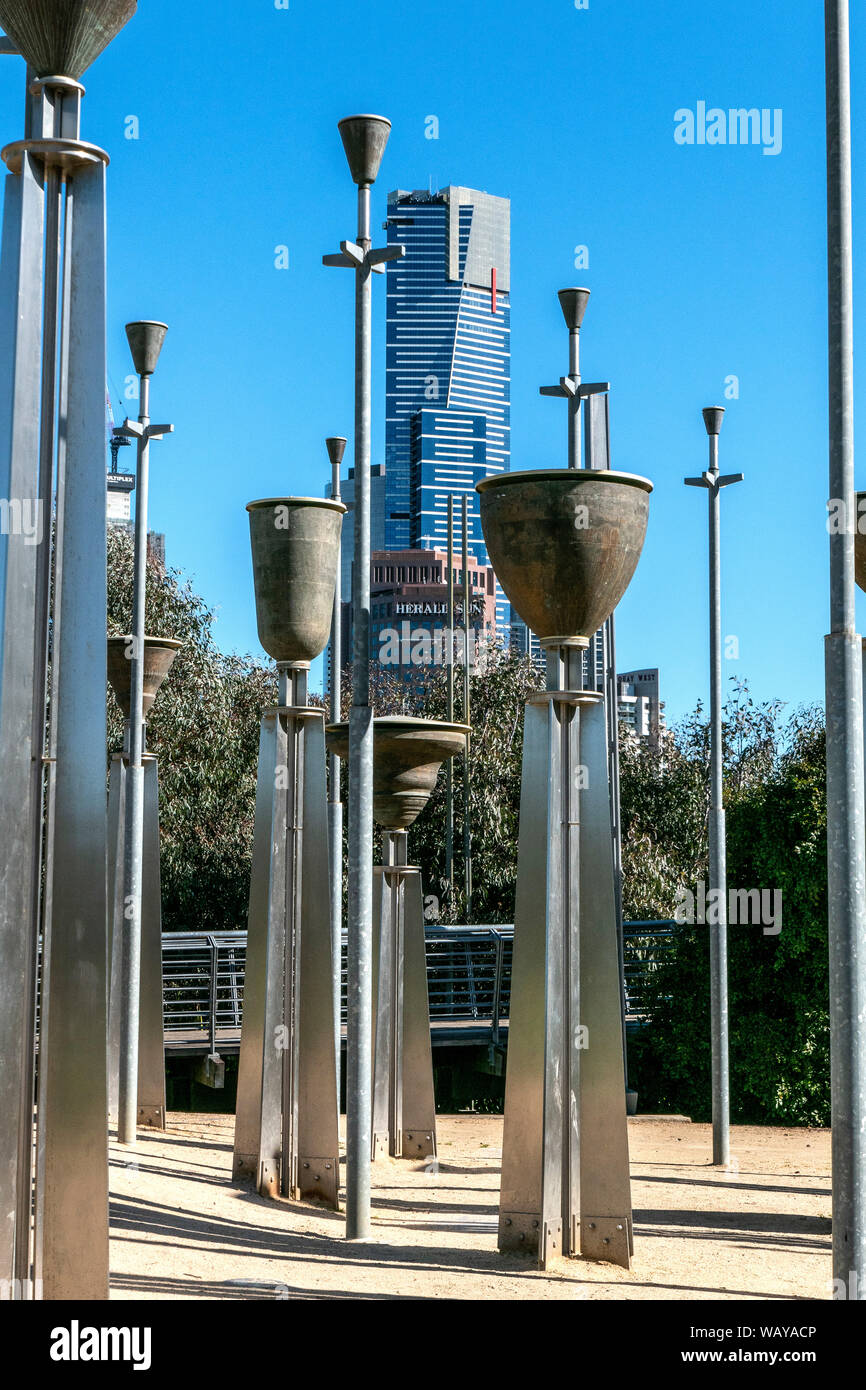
[(493, 290)]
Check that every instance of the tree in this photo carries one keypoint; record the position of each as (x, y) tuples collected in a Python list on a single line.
[(778, 984), (499, 686), (204, 728)]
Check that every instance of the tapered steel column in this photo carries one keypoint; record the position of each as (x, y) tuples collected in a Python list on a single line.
[(565, 1167), (721, 1086), (21, 270), (287, 1133), (145, 339), (336, 445), (73, 1202), (404, 1109), (364, 140), (287, 1120), (52, 864), (565, 1171), (408, 755), (846, 872)]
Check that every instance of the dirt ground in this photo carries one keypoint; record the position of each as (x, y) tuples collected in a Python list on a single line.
[(180, 1230)]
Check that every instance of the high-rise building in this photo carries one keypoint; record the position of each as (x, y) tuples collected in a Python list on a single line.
[(448, 379), (640, 705), (377, 522), (119, 487)]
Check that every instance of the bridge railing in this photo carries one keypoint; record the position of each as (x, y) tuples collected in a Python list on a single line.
[(468, 977)]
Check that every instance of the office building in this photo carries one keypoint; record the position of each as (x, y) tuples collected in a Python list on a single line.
[(448, 367)]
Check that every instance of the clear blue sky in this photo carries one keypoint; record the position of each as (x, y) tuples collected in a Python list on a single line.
[(705, 262)]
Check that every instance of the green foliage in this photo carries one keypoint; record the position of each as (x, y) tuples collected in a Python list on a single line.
[(499, 687), (776, 836), (204, 728)]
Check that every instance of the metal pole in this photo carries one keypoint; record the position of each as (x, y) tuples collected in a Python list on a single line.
[(713, 482), (718, 867), (364, 140), (846, 872), (336, 446), (574, 399), (467, 838), (132, 845), (609, 631), (449, 686), (145, 340), (359, 1057)]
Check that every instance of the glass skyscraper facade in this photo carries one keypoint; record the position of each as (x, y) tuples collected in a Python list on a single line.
[(448, 379)]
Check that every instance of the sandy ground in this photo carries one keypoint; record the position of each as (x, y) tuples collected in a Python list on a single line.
[(180, 1230)]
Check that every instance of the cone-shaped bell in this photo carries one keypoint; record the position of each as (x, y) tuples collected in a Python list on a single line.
[(159, 653), (407, 756), (713, 417), (336, 446), (574, 302), (364, 140), (146, 338), (860, 542), (61, 38), (564, 544), (295, 543)]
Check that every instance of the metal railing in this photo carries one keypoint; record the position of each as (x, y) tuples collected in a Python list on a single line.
[(468, 977)]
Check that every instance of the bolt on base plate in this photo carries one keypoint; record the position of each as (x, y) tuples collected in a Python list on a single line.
[(319, 1178), (524, 1233), (151, 1117)]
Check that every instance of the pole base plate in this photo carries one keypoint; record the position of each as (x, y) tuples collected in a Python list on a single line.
[(151, 1116), (525, 1233), (418, 1143), (606, 1238), (319, 1180)]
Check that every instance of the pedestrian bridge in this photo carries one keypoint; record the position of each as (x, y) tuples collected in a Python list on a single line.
[(468, 978)]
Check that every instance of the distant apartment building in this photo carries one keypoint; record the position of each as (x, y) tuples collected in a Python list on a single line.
[(640, 706)]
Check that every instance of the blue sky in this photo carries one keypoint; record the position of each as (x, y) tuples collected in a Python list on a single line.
[(705, 262)]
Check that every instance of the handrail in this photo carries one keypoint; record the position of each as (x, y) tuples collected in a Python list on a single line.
[(468, 975)]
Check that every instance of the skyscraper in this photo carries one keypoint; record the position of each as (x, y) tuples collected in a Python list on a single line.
[(448, 379)]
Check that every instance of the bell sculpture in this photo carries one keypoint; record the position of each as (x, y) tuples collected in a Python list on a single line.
[(564, 544), (159, 655), (407, 756), (287, 1117), (54, 1193)]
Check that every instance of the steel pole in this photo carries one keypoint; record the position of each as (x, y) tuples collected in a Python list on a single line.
[(449, 688), (467, 837), (364, 140), (130, 985), (574, 459), (846, 872), (717, 867), (335, 805), (359, 1018), (714, 482)]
